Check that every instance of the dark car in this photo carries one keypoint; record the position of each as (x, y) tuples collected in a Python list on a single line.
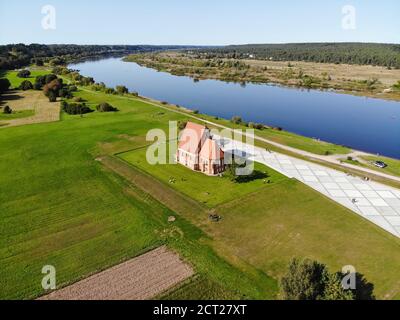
[(380, 164)]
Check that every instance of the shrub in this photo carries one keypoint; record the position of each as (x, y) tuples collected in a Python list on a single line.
[(52, 96), (24, 74), (78, 99), (105, 107), (196, 111), (236, 120), (73, 88), (7, 110), (26, 85), (65, 93), (121, 89), (4, 85), (109, 91), (164, 103), (75, 108)]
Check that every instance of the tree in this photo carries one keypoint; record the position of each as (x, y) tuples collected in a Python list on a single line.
[(105, 107), (26, 85), (304, 280), (53, 88), (334, 289), (49, 78), (7, 110), (52, 96), (24, 74), (75, 108), (4, 85), (122, 89)]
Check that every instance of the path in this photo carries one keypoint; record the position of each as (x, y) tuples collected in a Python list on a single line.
[(373, 201)]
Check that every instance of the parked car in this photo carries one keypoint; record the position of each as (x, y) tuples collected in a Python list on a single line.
[(380, 164)]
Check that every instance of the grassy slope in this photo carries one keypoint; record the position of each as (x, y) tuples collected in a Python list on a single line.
[(210, 191)]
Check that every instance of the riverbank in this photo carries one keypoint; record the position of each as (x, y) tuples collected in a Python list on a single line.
[(369, 81)]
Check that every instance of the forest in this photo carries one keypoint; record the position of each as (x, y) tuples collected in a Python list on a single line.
[(387, 55), (14, 56)]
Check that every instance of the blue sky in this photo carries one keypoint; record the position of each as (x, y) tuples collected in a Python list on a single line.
[(205, 22)]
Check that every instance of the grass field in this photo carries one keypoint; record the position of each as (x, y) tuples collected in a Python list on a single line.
[(210, 191), (393, 167), (289, 139), (16, 114), (61, 207), (266, 229), (16, 81)]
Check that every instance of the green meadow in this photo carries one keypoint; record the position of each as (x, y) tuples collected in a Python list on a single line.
[(16, 81), (66, 200)]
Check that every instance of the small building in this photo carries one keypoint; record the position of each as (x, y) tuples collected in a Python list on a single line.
[(198, 151)]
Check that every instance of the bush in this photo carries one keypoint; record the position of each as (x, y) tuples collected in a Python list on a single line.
[(75, 108), (236, 120), (122, 89), (65, 93), (311, 280), (52, 95), (26, 85), (4, 85), (78, 99), (24, 74), (105, 107), (7, 110), (109, 91), (196, 111)]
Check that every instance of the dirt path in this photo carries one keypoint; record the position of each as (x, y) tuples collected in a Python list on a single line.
[(141, 278), (45, 111)]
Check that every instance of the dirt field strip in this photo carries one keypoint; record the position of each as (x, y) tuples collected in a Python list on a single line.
[(45, 111), (141, 278)]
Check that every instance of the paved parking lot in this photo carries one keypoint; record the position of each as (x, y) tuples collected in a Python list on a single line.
[(376, 202)]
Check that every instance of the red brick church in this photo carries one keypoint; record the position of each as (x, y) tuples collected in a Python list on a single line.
[(198, 151)]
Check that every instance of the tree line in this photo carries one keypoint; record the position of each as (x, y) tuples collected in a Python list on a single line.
[(15, 56), (387, 55)]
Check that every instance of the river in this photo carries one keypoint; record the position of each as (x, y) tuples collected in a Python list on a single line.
[(367, 124)]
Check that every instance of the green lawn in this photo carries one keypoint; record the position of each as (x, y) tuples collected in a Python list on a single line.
[(267, 229), (210, 191), (61, 207), (16, 81), (290, 139), (16, 114), (393, 167)]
